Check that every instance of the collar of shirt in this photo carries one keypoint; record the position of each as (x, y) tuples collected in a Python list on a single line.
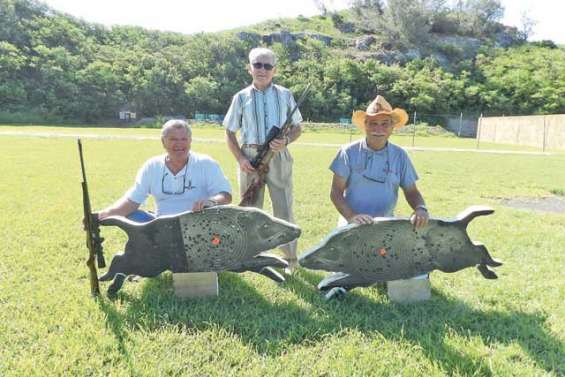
[(370, 151), (182, 170), (267, 89)]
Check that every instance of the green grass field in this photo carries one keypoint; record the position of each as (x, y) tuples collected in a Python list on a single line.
[(50, 326)]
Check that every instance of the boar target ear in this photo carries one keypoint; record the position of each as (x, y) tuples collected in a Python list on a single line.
[(470, 213)]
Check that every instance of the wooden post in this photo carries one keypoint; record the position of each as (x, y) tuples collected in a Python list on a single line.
[(414, 132), (544, 134), (460, 125), (479, 130), (195, 284), (494, 132)]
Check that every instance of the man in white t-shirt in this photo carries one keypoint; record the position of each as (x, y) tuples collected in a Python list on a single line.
[(180, 180)]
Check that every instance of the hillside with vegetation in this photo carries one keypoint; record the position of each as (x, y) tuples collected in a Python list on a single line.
[(425, 56)]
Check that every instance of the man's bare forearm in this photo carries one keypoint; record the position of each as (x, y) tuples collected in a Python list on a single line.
[(122, 207), (294, 133), (222, 198), (414, 197), (336, 196), (233, 145)]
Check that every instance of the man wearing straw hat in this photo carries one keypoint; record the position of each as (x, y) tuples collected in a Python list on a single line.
[(368, 172), (367, 175)]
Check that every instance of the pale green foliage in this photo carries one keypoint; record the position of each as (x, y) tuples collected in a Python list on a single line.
[(53, 66), (525, 80)]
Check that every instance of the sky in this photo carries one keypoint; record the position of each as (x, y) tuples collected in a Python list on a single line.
[(192, 16)]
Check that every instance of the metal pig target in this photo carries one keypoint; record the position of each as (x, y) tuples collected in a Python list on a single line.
[(223, 238), (391, 249)]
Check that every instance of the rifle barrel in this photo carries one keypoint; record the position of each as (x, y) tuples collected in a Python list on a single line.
[(92, 241)]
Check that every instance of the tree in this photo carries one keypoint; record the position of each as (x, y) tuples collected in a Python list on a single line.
[(527, 25), (524, 80), (480, 16), (203, 95)]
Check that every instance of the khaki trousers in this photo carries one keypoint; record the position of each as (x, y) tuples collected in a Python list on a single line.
[(279, 183)]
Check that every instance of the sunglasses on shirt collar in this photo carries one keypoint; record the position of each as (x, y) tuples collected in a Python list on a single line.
[(376, 176), (259, 65)]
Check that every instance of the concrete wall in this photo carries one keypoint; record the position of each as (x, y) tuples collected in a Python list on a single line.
[(536, 130)]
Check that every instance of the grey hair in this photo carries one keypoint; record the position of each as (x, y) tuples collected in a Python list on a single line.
[(255, 53), (175, 123)]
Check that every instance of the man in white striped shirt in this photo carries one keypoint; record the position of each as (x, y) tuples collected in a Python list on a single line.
[(255, 110)]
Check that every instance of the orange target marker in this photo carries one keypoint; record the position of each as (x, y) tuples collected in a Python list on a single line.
[(216, 239), (382, 251)]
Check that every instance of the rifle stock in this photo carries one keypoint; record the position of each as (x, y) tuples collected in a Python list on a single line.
[(264, 154), (93, 239)]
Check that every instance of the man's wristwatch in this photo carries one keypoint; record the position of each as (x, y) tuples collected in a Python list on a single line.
[(421, 206)]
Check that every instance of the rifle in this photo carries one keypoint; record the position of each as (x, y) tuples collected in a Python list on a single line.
[(93, 239), (264, 154)]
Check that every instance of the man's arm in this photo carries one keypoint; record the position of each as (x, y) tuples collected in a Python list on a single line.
[(294, 133), (122, 207), (336, 195), (218, 199), (414, 198), (233, 145)]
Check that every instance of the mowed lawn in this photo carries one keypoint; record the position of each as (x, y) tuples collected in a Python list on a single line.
[(50, 326)]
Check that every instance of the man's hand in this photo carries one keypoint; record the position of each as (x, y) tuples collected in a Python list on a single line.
[(278, 145), (419, 218), (245, 165), (103, 214), (360, 219), (201, 204)]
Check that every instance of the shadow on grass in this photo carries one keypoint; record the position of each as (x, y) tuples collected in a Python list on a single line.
[(274, 328), (115, 322)]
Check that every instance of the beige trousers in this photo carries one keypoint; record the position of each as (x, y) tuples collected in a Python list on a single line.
[(279, 183)]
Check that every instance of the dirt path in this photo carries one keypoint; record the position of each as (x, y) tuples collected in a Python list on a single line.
[(220, 141), (553, 204)]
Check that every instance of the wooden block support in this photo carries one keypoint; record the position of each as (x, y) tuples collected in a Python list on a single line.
[(195, 284), (411, 290)]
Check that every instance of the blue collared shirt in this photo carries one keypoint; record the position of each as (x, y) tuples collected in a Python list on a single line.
[(373, 177), (255, 112)]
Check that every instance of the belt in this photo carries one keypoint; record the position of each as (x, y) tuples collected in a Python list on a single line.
[(252, 146)]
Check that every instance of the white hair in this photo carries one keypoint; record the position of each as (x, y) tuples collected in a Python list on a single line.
[(258, 52), (175, 123)]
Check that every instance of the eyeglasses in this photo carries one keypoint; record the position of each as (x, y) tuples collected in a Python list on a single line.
[(370, 174), (260, 65), (184, 185)]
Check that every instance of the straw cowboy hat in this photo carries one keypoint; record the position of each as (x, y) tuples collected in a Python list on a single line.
[(380, 106)]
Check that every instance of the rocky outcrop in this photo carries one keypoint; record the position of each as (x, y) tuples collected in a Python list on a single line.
[(508, 37), (364, 43), (284, 37), (249, 37), (466, 47)]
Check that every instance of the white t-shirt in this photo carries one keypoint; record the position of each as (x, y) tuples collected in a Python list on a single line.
[(200, 178)]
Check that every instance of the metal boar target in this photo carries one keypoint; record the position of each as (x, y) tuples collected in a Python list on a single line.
[(391, 249), (222, 238)]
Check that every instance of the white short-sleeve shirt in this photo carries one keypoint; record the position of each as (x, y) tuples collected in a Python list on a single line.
[(200, 178)]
